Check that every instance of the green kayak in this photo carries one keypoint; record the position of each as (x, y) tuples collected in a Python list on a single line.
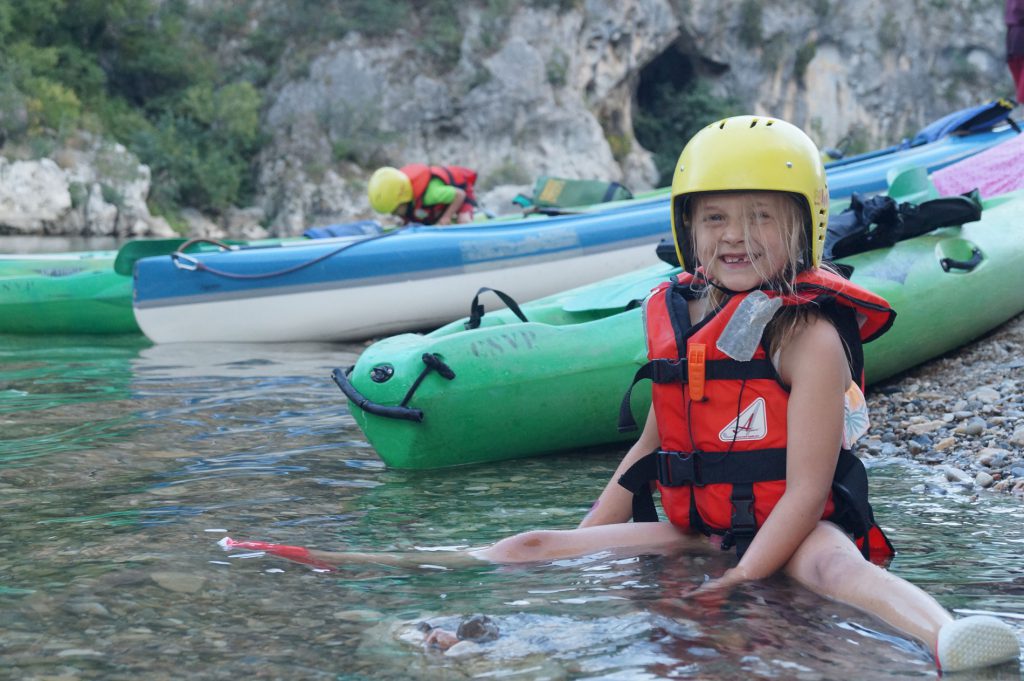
[(512, 389), (62, 293)]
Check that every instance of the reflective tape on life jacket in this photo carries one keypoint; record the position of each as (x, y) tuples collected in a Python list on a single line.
[(722, 422)]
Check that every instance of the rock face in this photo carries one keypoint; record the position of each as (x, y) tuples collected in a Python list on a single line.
[(34, 195), (550, 91), (555, 93), (95, 189)]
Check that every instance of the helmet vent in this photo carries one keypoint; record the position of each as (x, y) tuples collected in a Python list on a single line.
[(769, 123), (753, 123)]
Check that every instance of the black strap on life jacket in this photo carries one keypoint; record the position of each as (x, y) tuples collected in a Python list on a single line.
[(742, 469), (675, 371)]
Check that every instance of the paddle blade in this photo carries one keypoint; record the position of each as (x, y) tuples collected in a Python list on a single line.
[(143, 248)]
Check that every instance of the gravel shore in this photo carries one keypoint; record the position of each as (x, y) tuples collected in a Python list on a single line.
[(963, 412)]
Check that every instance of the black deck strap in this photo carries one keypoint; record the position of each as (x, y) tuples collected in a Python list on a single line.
[(476, 308), (432, 362), (198, 265), (637, 479)]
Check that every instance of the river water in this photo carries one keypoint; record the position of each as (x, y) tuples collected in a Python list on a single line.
[(123, 464)]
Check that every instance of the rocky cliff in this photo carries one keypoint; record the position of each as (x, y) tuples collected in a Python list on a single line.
[(549, 88)]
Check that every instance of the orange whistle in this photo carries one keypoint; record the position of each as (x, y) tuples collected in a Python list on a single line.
[(695, 353)]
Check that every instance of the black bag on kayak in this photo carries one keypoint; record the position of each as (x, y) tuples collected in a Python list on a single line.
[(879, 221)]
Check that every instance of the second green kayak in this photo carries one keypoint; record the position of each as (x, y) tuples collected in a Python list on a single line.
[(512, 389)]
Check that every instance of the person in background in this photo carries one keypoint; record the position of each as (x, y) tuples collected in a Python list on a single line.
[(1015, 44), (429, 195)]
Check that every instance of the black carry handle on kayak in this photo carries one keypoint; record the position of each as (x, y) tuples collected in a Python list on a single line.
[(948, 264), (431, 361), (404, 413), (476, 308)]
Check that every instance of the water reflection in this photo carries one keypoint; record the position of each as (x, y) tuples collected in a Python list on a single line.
[(122, 464)]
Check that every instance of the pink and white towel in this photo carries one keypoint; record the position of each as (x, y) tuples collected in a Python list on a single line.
[(994, 171)]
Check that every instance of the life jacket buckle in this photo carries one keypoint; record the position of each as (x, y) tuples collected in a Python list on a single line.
[(743, 526), (743, 521), (677, 468)]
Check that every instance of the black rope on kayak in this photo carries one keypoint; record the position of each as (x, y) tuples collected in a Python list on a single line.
[(476, 308), (433, 362), (340, 377), (197, 265)]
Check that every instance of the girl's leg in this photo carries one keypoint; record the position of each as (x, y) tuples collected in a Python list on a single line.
[(829, 564), (537, 545), (542, 545)]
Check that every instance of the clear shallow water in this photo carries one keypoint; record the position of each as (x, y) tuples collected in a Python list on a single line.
[(122, 464)]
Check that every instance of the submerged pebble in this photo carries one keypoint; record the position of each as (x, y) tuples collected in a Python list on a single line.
[(479, 628)]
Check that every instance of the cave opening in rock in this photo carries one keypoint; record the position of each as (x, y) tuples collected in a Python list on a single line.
[(674, 98)]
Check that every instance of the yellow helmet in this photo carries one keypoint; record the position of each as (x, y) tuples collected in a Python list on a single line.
[(389, 187), (751, 153)]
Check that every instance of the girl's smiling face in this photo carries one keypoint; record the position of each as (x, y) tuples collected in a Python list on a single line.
[(743, 239)]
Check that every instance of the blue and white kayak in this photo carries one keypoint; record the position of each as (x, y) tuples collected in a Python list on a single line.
[(870, 175), (422, 277), (941, 143), (416, 278)]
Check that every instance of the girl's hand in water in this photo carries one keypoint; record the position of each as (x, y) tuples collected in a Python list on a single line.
[(713, 592)]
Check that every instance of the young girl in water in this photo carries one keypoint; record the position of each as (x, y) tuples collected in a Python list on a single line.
[(755, 360)]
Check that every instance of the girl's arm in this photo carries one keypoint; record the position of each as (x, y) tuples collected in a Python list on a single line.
[(615, 505), (815, 367)]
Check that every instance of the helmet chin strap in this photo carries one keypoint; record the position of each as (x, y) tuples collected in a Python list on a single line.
[(723, 289), (763, 286)]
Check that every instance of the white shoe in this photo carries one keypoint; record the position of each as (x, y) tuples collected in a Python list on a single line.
[(976, 641)]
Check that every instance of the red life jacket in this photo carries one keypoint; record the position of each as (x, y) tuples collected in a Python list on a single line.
[(420, 175), (722, 422)]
